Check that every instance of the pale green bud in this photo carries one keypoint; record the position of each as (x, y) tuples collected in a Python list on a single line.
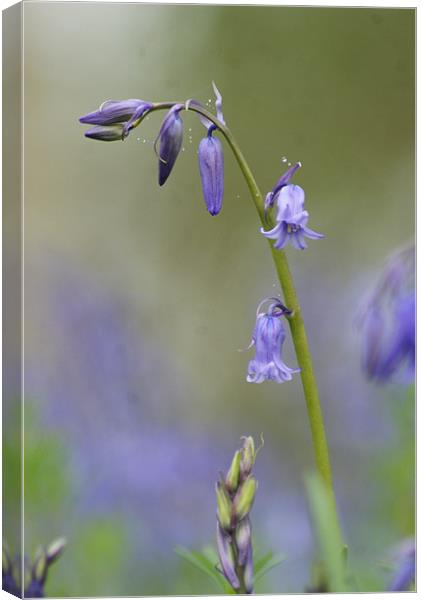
[(245, 497), (233, 476), (248, 456), (224, 507), (55, 549), (40, 567)]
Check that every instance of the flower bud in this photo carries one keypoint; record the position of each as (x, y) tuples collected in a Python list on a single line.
[(226, 556), (113, 111), (232, 478), (243, 539), (248, 571), (248, 456), (170, 137), (224, 507), (39, 569), (244, 498), (112, 133), (55, 549), (211, 169)]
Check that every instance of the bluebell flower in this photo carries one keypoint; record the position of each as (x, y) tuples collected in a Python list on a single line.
[(283, 181), (170, 137), (268, 338), (211, 160), (211, 169), (291, 219), (387, 321)]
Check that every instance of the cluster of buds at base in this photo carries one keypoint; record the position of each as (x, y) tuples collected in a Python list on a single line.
[(235, 495), (31, 582)]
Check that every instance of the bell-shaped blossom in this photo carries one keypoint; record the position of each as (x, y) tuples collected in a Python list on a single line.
[(387, 321), (268, 338), (283, 181), (211, 169), (111, 133), (170, 138), (291, 220)]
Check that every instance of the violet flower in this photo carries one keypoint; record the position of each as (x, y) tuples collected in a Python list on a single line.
[(211, 169), (291, 219), (170, 137), (268, 338), (211, 160), (387, 321), (112, 112)]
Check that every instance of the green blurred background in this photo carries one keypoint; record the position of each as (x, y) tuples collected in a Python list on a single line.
[(122, 459)]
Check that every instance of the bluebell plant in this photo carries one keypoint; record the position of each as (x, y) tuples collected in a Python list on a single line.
[(387, 322), (29, 577), (235, 496), (284, 221)]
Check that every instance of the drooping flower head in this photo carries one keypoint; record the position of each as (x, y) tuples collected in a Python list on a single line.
[(387, 322), (112, 112), (170, 138), (268, 338), (211, 160), (291, 217)]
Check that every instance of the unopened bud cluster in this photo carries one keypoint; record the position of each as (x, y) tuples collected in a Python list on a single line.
[(32, 581), (235, 495)]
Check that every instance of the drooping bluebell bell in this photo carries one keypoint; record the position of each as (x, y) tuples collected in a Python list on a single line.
[(268, 338), (283, 181), (211, 161), (211, 169), (387, 321), (291, 219), (235, 496), (170, 138)]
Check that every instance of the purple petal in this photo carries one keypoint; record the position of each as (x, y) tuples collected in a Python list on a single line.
[(171, 138), (225, 554), (211, 168), (285, 178), (310, 233), (112, 111)]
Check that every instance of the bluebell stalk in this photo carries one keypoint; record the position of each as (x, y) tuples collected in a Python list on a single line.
[(235, 495), (35, 574), (268, 338), (387, 321), (170, 138)]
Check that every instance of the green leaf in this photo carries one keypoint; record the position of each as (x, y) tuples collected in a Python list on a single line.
[(204, 564), (327, 532), (267, 563)]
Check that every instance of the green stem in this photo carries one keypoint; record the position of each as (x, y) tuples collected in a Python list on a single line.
[(297, 326)]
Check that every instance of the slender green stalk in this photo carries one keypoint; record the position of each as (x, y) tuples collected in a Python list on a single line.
[(296, 323)]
